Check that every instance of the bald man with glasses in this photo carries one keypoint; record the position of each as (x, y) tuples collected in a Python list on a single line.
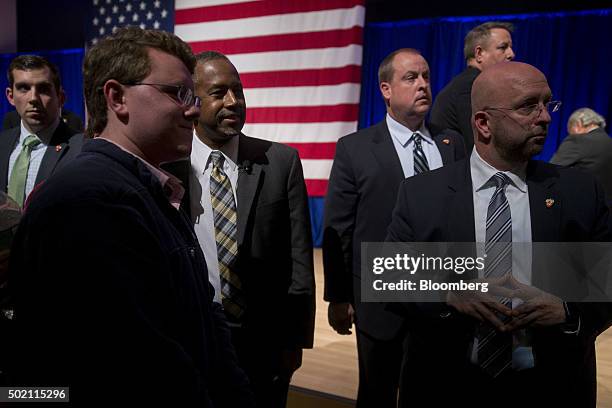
[(476, 349)]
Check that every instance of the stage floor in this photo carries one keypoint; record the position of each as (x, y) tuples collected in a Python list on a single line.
[(331, 366)]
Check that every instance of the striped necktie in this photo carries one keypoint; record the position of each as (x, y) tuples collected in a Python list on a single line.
[(420, 160), (226, 232), (495, 348), (19, 175)]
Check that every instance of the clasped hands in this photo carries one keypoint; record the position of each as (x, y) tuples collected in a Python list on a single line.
[(539, 308)]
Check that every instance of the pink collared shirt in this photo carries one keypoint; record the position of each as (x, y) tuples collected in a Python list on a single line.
[(171, 185)]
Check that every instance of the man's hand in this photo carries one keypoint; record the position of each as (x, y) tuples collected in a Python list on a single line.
[(540, 309), (341, 317), (483, 306)]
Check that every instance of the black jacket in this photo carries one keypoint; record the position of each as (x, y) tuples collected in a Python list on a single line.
[(111, 292)]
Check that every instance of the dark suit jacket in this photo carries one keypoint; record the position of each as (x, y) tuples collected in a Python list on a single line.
[(591, 152), (452, 108), (441, 341), (363, 186), (274, 242), (65, 144)]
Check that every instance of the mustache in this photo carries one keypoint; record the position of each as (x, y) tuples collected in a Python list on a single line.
[(223, 114)]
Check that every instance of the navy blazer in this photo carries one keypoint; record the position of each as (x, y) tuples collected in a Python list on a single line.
[(117, 292), (363, 185), (441, 337)]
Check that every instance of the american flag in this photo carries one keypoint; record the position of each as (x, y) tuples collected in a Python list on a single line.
[(299, 61), (106, 16)]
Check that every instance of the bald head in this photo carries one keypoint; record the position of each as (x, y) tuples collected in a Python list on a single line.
[(510, 117), (498, 83)]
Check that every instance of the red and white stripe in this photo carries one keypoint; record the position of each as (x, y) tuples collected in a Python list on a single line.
[(300, 64)]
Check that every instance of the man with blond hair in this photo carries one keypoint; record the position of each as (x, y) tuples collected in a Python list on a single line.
[(485, 45)]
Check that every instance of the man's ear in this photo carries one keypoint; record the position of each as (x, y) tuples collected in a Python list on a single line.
[(9, 96), (115, 97), (478, 54), (385, 90), (482, 125)]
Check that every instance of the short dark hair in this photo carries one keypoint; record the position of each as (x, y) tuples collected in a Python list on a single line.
[(123, 56), (206, 56), (30, 62), (480, 34), (385, 69)]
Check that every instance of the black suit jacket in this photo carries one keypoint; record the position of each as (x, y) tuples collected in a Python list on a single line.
[(440, 340), (591, 152), (452, 108), (363, 186), (65, 144), (274, 242)]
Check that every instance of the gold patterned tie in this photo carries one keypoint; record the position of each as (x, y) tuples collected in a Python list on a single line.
[(226, 232)]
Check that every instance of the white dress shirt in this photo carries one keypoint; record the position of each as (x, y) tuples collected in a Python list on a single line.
[(404, 146), (517, 195), (201, 207)]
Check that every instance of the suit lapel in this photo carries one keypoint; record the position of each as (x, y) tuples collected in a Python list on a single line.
[(57, 148), (248, 179), (7, 145), (446, 150), (460, 227), (544, 205), (385, 154)]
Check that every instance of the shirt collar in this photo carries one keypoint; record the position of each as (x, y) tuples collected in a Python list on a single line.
[(44, 135), (403, 134), (483, 171), (200, 153), (171, 185)]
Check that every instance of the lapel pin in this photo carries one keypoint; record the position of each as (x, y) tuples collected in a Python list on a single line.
[(58, 148), (446, 141), (549, 202)]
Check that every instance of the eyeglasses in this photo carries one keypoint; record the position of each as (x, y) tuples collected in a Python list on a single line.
[(528, 110), (184, 95)]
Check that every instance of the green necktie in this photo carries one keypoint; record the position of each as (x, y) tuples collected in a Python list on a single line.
[(19, 175)]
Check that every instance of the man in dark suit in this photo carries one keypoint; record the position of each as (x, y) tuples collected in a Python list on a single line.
[(499, 195), (36, 93), (588, 147), (108, 280), (248, 203), (368, 168), (485, 45)]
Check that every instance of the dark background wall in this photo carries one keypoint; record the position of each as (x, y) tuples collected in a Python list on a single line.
[(397, 10), (59, 24)]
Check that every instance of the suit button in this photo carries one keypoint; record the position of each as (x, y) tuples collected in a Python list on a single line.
[(192, 252), (445, 314)]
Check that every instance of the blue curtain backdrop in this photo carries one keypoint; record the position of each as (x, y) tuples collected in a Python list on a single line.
[(572, 49), (69, 63)]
